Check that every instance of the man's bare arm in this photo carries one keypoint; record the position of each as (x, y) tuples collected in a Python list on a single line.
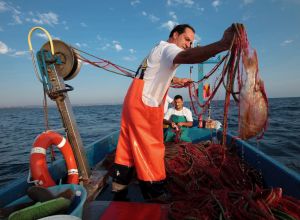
[(186, 124), (200, 54)]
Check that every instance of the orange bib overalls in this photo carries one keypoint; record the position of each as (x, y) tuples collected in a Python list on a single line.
[(140, 142)]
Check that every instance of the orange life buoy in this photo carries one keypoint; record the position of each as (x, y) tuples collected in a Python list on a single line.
[(38, 163)]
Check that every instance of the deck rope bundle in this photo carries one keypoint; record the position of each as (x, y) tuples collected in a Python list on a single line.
[(207, 181)]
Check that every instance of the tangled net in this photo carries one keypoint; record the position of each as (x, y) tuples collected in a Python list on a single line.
[(208, 181)]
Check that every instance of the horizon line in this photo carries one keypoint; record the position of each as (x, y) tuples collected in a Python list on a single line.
[(104, 104)]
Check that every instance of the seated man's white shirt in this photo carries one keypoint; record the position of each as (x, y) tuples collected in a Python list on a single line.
[(183, 112), (159, 72)]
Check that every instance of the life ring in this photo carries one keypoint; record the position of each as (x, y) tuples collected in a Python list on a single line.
[(38, 164)]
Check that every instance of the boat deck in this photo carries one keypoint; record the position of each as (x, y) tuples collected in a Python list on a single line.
[(105, 208), (134, 193), (108, 210)]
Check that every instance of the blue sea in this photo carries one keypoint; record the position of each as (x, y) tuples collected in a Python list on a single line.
[(20, 126)]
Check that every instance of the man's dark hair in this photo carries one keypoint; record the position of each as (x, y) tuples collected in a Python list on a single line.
[(180, 29), (178, 97)]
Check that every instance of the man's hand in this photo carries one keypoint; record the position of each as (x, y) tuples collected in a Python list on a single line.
[(228, 36), (181, 81), (180, 124), (175, 126), (186, 80)]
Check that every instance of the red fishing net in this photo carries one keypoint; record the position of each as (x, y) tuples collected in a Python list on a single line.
[(241, 80), (208, 181)]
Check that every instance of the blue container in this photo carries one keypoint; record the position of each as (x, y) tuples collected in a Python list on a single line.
[(78, 209)]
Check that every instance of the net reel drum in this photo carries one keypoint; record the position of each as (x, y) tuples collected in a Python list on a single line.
[(70, 64)]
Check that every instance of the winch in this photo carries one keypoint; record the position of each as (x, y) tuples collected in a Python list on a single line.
[(68, 65)]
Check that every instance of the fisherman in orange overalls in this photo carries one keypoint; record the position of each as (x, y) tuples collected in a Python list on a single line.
[(140, 143)]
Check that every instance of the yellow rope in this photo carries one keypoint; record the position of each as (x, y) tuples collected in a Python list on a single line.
[(36, 70), (46, 32)]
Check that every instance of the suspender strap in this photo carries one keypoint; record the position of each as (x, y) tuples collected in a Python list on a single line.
[(141, 70)]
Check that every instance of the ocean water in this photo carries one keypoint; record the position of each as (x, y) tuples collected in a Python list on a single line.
[(20, 126)]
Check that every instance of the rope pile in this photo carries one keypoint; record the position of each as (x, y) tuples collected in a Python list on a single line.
[(208, 181)]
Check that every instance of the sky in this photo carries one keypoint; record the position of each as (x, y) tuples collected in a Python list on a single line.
[(124, 32)]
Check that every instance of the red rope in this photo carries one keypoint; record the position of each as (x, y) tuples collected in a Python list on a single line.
[(109, 66)]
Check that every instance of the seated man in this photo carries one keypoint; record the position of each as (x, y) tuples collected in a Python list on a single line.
[(180, 119)]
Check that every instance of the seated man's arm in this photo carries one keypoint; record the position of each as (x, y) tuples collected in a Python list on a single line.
[(167, 118), (186, 124), (170, 123), (167, 122)]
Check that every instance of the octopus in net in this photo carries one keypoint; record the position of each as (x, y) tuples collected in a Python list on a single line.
[(253, 100)]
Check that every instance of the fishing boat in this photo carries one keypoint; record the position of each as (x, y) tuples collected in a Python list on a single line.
[(95, 178), (274, 174)]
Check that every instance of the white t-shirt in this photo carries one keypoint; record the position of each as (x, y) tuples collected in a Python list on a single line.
[(159, 72), (183, 112), (168, 101)]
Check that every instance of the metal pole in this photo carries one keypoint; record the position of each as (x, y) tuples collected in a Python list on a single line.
[(66, 112), (200, 86)]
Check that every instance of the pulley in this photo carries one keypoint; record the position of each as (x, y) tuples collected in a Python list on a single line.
[(70, 64)]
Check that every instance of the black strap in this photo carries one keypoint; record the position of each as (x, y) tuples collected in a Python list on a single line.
[(141, 70)]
